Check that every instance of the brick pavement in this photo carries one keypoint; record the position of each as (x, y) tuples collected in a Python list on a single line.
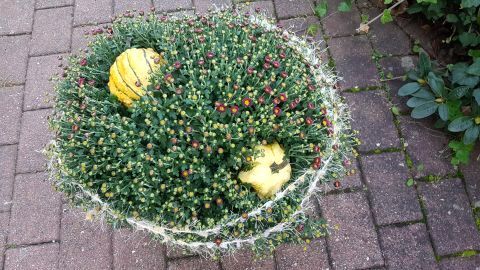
[(379, 222)]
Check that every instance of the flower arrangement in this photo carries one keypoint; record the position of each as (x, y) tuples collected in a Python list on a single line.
[(223, 145)]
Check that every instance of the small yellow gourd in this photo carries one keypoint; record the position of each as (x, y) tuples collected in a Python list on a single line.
[(129, 74), (270, 171)]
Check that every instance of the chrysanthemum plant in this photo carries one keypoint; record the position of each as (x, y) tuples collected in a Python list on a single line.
[(169, 162)]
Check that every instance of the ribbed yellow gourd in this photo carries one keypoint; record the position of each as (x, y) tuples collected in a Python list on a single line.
[(269, 171), (129, 74)]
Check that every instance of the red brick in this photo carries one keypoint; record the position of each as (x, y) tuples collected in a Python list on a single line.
[(338, 23), (35, 214), (39, 91), (4, 217), (351, 181), (34, 136), (52, 35), (136, 250), (92, 12), (81, 36), (471, 173), (14, 54), (84, 242), (10, 114), (294, 8), (172, 5), (193, 263), (139, 5), (52, 3), (202, 6), (38, 257), (16, 16), (302, 257), (264, 7), (458, 263), (245, 260)]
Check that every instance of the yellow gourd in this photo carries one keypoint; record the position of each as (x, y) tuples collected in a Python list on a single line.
[(129, 74), (270, 171)]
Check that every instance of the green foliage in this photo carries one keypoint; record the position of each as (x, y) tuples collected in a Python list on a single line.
[(321, 9), (453, 95)]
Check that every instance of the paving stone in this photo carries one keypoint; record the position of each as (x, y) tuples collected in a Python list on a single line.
[(16, 16), (311, 256), (135, 250), (471, 174), (264, 7), (353, 242), (351, 181), (3, 233), (392, 201), (394, 67), (139, 5), (81, 36), (84, 242), (458, 263), (449, 217), (51, 35), (52, 3), (34, 135), (34, 202), (337, 23), (192, 263), (245, 260), (294, 8), (376, 127), (10, 114), (14, 55), (165, 6), (182, 13), (427, 147), (357, 69), (388, 38), (202, 6), (418, 29), (407, 247), (38, 257), (7, 175), (92, 12), (39, 91)]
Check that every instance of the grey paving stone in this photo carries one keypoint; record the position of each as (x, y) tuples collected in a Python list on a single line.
[(202, 6), (245, 260), (375, 124), (449, 217), (39, 91), (193, 263), (10, 114), (427, 146), (353, 180), (392, 201), (419, 30), (16, 16), (338, 23), (14, 55), (4, 217), (136, 250), (471, 174), (311, 256), (407, 247), (388, 38), (294, 8), (8, 154), (357, 69), (139, 5), (52, 3), (38, 257), (394, 67), (35, 214), (458, 263), (265, 7), (353, 242), (34, 135), (92, 12), (81, 36), (84, 243), (51, 35), (172, 5)]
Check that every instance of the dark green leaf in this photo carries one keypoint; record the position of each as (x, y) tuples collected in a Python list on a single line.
[(474, 53), (415, 102), (458, 92), (462, 152), (443, 111), (321, 9), (454, 109), (424, 93), (345, 6), (408, 89), (424, 64), (469, 39), (452, 18), (440, 123), (436, 84), (470, 3), (474, 69), (461, 77), (476, 95), (460, 124), (471, 135), (412, 75), (424, 110)]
